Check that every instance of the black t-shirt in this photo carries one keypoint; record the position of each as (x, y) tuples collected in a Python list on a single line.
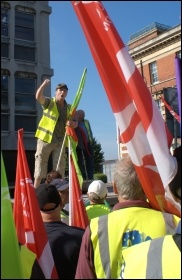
[(65, 242)]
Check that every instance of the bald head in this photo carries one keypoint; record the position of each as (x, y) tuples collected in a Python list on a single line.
[(80, 114)]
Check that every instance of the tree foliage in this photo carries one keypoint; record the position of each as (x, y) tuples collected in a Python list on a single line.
[(98, 156)]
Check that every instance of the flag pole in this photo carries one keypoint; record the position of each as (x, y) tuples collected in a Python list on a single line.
[(61, 152), (73, 109), (70, 183)]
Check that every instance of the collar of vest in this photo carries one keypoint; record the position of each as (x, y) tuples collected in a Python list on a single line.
[(133, 203)]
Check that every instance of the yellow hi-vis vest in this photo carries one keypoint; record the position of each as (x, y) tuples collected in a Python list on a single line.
[(48, 121), (159, 258), (110, 234), (97, 210)]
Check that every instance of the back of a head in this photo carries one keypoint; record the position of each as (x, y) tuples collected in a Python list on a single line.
[(52, 175), (97, 191), (175, 184), (81, 114), (126, 180), (48, 197)]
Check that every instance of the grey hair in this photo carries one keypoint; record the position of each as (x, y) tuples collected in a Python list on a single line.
[(126, 180), (95, 198)]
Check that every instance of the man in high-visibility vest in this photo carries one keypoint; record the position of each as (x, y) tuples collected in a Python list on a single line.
[(159, 258), (132, 221), (51, 131), (97, 193)]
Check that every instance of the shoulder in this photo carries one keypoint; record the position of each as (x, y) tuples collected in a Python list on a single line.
[(47, 102), (75, 233), (68, 105), (78, 230)]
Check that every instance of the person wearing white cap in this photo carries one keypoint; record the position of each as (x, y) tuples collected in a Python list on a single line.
[(63, 188), (97, 193)]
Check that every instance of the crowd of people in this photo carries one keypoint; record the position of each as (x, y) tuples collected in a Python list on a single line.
[(130, 240), (131, 234)]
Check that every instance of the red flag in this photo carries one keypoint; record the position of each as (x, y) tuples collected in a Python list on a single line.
[(28, 221), (77, 211), (140, 122)]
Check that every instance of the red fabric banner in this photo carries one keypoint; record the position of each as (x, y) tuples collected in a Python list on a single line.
[(28, 221), (140, 122), (79, 216)]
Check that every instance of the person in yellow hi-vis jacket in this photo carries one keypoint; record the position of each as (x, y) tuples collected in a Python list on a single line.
[(159, 258), (97, 193), (51, 131), (132, 221)]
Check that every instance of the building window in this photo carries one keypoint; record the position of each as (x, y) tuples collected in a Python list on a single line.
[(24, 53), (28, 123), (153, 72), (25, 103), (5, 50), (4, 100), (24, 34), (4, 22), (158, 102), (24, 26)]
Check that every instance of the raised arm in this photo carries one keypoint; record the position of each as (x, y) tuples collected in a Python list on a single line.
[(39, 93)]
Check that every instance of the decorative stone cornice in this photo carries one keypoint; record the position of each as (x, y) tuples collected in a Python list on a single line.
[(160, 42)]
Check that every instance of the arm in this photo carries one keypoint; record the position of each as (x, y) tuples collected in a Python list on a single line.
[(39, 93), (85, 267)]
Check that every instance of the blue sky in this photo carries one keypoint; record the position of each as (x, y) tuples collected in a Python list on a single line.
[(70, 54)]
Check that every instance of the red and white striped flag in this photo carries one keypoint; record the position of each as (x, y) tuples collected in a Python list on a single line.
[(137, 116), (28, 221)]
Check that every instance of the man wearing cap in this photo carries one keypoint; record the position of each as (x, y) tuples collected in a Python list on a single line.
[(97, 193), (63, 188), (64, 240), (51, 131)]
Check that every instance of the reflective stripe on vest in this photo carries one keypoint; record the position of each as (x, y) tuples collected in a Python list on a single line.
[(159, 258), (156, 258), (163, 259), (110, 237), (170, 224), (48, 122)]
